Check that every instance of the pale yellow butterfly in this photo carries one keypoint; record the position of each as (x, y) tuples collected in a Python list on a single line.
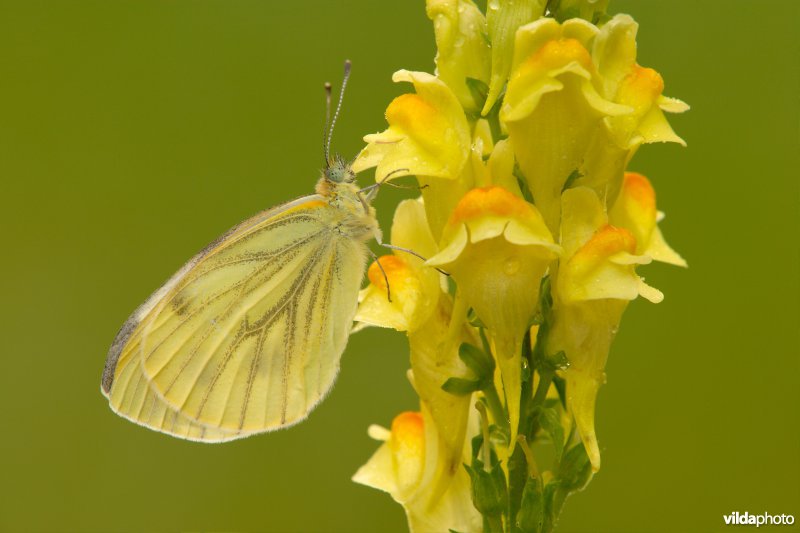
[(248, 335)]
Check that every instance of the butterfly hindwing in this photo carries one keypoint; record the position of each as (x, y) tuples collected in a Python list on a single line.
[(247, 337)]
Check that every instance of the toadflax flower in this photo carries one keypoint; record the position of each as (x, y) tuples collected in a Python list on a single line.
[(594, 283), (497, 248), (405, 467), (429, 137)]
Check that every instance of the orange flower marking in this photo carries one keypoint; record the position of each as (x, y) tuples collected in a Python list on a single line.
[(639, 189), (408, 449), (410, 112), (557, 53), (642, 86), (395, 267), (491, 200), (408, 428), (608, 241)]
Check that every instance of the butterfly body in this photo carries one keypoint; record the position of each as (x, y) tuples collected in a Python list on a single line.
[(247, 336)]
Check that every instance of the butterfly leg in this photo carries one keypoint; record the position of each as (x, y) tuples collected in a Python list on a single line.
[(385, 277), (372, 190), (409, 251)]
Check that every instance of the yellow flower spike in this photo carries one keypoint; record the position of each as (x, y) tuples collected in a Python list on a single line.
[(595, 281), (504, 17), (428, 133), (497, 248), (552, 107), (404, 466), (462, 48), (635, 210)]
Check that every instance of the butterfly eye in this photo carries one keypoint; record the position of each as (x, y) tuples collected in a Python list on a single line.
[(339, 171)]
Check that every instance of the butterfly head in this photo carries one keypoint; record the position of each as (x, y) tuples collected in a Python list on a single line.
[(339, 170)]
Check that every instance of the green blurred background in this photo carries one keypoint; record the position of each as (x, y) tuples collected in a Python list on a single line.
[(134, 132)]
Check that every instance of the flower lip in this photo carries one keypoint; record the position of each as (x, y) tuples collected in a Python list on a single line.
[(608, 241), (409, 428), (645, 80), (491, 200)]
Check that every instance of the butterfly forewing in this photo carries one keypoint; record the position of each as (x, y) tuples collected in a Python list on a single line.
[(248, 337)]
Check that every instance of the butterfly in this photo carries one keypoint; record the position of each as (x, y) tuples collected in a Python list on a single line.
[(248, 335)]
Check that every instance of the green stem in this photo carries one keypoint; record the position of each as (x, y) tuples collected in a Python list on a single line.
[(487, 453), (545, 379)]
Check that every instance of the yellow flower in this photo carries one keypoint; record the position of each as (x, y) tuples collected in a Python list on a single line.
[(635, 210), (428, 133), (405, 467), (552, 107), (625, 82), (462, 48), (497, 248), (428, 136), (594, 282), (504, 17), (415, 288)]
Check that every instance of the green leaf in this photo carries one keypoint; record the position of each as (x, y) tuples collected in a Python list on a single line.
[(477, 360), (550, 421), (461, 386)]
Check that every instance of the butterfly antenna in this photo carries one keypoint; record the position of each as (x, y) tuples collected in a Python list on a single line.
[(325, 141), (347, 65)]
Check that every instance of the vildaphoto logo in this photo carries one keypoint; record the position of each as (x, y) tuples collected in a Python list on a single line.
[(746, 519)]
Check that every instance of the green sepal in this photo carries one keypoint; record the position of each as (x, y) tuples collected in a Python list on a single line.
[(573, 176), (557, 361), (479, 90), (523, 184), (550, 514), (499, 435), (530, 518), (474, 320), (477, 443), (517, 477), (477, 360), (575, 469), (489, 492)]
